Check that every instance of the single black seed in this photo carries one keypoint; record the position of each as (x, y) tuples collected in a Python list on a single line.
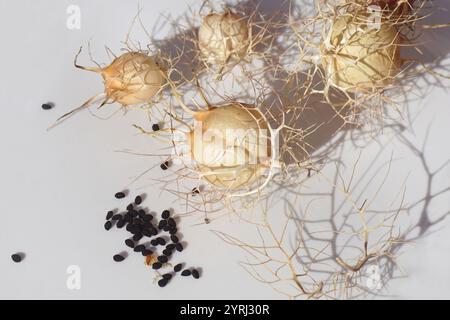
[(139, 248), (118, 258), (137, 236), (171, 222), (195, 274), (120, 224), (130, 207), (16, 258), (174, 238), (127, 218), (165, 165), (129, 243), (162, 283), (154, 242), (148, 217), (141, 213), (167, 276), (133, 213), (138, 200), (178, 267), (109, 215), (120, 195), (156, 265), (167, 252), (116, 217), (162, 224), (161, 241), (179, 247), (186, 273), (163, 259), (165, 214), (47, 106), (166, 228), (147, 232), (170, 246), (147, 252), (155, 127), (173, 231), (108, 225)]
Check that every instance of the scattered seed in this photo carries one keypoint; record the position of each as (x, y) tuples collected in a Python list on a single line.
[(173, 231), (162, 283), (165, 214), (167, 276), (167, 252), (109, 215), (186, 273), (116, 217), (120, 195), (155, 127), (16, 258), (178, 267), (170, 246), (157, 265), (130, 207), (47, 106), (118, 258), (154, 242), (147, 232), (138, 200), (174, 238), (179, 247), (139, 248), (108, 225), (137, 236), (195, 274), (161, 241), (162, 224), (148, 217), (171, 222), (129, 243), (165, 165), (163, 259), (147, 252)]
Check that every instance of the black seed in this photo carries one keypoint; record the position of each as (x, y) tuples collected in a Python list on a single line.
[(167, 252), (162, 283), (165, 165), (195, 274), (179, 247), (178, 267), (128, 218), (174, 238), (130, 207), (116, 217), (147, 252), (171, 222), (109, 215), (163, 259), (120, 224), (137, 236), (16, 257), (166, 228), (138, 200), (170, 246), (162, 224), (147, 232), (129, 243), (133, 213), (148, 217), (186, 273), (167, 276), (139, 248), (118, 258), (165, 214), (141, 214), (155, 127), (161, 241), (173, 231), (156, 265), (47, 106), (108, 225), (154, 242), (120, 195)]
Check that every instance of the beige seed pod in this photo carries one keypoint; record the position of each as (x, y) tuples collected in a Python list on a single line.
[(360, 55), (222, 37), (133, 78), (231, 146)]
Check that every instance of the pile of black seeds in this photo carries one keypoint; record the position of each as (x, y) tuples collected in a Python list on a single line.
[(148, 235)]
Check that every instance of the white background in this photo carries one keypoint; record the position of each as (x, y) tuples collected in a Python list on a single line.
[(57, 186)]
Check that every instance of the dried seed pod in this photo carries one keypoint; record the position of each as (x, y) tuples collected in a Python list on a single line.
[(360, 54), (230, 144), (222, 36)]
